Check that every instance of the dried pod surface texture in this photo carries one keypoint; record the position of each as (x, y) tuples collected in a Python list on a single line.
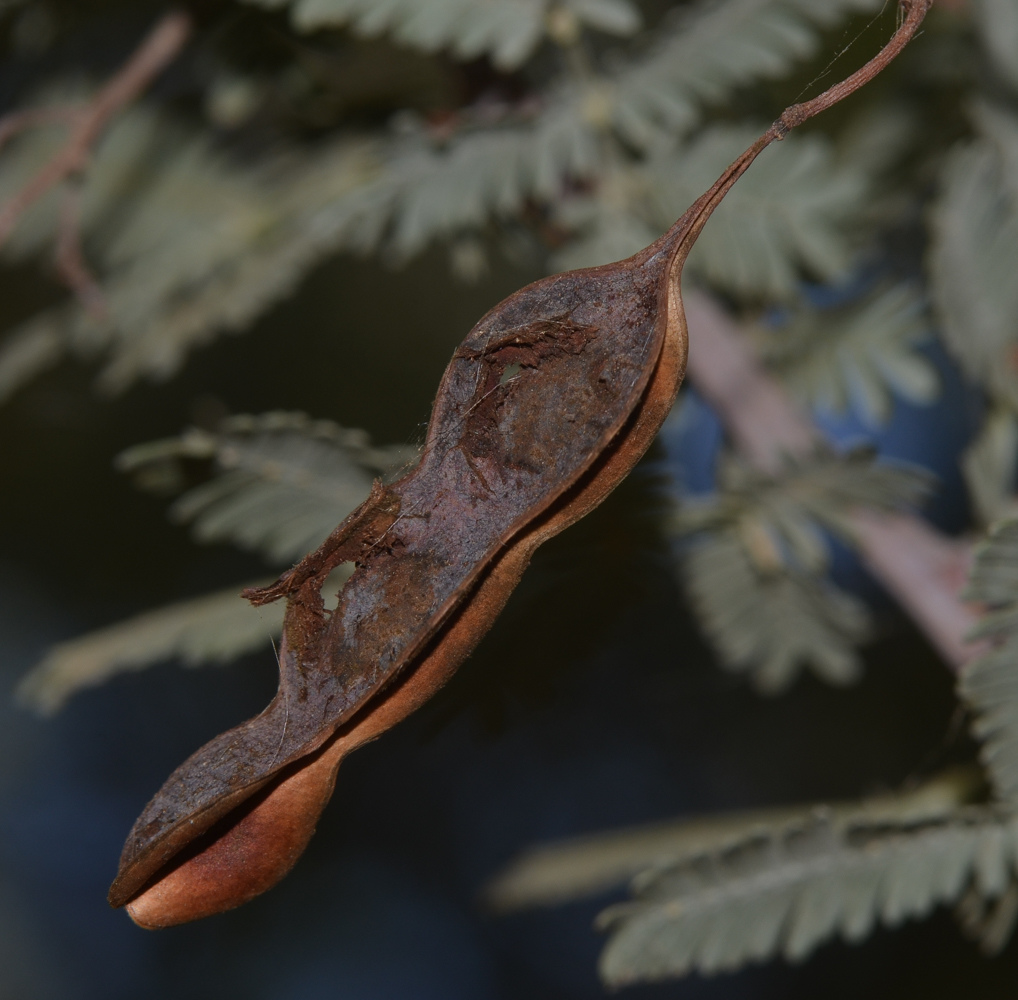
[(543, 410)]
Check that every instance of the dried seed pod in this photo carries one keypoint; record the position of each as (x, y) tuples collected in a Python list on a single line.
[(545, 407)]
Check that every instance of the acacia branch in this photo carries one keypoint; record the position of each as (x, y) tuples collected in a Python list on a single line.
[(923, 569), (69, 259), (156, 51), (86, 124)]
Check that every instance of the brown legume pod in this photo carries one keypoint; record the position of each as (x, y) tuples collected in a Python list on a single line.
[(546, 406)]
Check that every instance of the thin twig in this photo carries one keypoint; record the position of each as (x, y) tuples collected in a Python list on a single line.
[(923, 569), (69, 259), (156, 51), (914, 11)]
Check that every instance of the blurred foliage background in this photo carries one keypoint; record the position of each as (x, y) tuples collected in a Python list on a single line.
[(349, 185)]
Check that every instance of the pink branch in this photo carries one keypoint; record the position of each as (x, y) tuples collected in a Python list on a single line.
[(70, 261), (923, 569), (157, 50), (761, 420)]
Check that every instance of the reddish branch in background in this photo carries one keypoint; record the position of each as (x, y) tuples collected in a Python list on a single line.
[(86, 124), (923, 569)]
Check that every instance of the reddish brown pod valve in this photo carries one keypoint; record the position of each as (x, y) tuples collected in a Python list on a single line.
[(546, 406)]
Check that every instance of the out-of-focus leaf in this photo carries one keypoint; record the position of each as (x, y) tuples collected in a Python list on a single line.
[(713, 48), (974, 254), (507, 30), (821, 490), (997, 21), (430, 190), (281, 482), (584, 866), (770, 625), (989, 921), (756, 572), (186, 243), (214, 628), (605, 232), (787, 215), (790, 213), (857, 356), (989, 466), (786, 893), (989, 683)]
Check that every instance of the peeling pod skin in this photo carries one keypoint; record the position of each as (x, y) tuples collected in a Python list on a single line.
[(594, 360)]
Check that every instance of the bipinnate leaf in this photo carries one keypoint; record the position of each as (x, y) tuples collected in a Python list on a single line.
[(715, 892), (773, 624), (989, 466), (214, 628), (756, 565), (189, 243), (280, 480), (186, 242), (428, 190), (821, 489), (507, 30), (713, 48), (433, 189), (565, 870), (856, 357), (974, 254), (989, 683), (788, 219), (786, 894)]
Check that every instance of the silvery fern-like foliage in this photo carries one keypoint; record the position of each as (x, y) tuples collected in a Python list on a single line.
[(855, 357), (989, 466), (186, 243), (772, 624), (786, 215), (588, 865), (989, 683), (507, 30), (789, 216), (715, 892), (431, 188), (974, 254), (214, 628), (784, 892), (755, 568), (818, 491), (436, 187), (204, 631), (997, 22), (712, 49), (708, 51), (281, 481)]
